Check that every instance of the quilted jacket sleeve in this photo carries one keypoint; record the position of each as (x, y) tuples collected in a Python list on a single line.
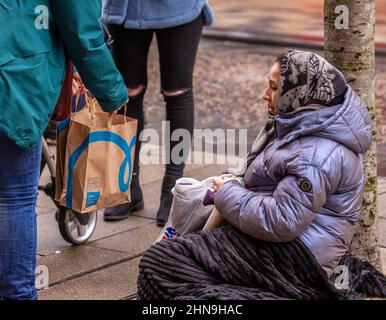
[(79, 24), (279, 217)]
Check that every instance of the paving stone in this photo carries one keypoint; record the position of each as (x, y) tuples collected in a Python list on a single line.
[(154, 172), (151, 195), (132, 242), (76, 260), (113, 283), (50, 240), (45, 202)]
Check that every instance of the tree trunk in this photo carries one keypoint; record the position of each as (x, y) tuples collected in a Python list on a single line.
[(352, 51)]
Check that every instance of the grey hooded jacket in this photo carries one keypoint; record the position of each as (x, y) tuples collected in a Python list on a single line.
[(307, 183)]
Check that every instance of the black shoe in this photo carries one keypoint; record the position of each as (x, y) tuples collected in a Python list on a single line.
[(123, 211), (166, 199)]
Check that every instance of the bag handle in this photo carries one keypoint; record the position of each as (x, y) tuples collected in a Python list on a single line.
[(77, 98), (110, 119), (90, 105), (88, 98), (125, 109)]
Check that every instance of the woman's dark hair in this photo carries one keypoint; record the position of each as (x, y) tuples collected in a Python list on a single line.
[(280, 57)]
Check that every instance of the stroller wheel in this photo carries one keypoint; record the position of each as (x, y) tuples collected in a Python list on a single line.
[(76, 228)]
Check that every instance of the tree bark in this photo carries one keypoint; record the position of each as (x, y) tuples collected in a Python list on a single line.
[(352, 51)]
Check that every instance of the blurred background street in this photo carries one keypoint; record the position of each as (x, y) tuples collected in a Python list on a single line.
[(229, 79), (296, 19)]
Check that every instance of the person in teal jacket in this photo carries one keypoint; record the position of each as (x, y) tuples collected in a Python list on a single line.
[(35, 37)]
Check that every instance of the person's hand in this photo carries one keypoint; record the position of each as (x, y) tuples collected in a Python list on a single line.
[(77, 84), (75, 87), (227, 175), (217, 183)]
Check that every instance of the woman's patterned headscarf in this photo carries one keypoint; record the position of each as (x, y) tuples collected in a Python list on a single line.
[(307, 81)]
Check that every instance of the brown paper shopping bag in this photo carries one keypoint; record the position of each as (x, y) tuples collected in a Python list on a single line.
[(61, 140), (98, 162)]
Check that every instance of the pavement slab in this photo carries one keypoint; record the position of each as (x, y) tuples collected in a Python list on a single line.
[(77, 260), (112, 283), (50, 240), (132, 242)]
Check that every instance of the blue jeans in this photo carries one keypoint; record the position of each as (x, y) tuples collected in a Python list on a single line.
[(19, 177)]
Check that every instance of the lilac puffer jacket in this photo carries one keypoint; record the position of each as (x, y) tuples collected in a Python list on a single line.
[(307, 183)]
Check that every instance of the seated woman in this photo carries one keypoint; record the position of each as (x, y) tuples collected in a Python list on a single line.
[(300, 202)]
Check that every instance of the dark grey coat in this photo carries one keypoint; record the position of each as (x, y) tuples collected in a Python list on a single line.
[(307, 183)]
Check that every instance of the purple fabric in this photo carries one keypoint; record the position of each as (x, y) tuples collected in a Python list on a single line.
[(209, 198)]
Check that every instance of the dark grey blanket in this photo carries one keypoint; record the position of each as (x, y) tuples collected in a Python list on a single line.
[(225, 263)]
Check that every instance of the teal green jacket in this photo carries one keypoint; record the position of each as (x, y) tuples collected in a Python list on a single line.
[(34, 36)]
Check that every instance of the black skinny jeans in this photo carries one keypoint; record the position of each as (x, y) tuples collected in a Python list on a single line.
[(177, 48)]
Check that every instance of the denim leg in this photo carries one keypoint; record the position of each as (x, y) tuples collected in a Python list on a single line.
[(19, 177)]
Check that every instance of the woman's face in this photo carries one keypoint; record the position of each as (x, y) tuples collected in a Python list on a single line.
[(271, 92)]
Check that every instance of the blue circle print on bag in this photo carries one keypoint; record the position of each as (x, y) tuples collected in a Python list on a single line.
[(102, 136)]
